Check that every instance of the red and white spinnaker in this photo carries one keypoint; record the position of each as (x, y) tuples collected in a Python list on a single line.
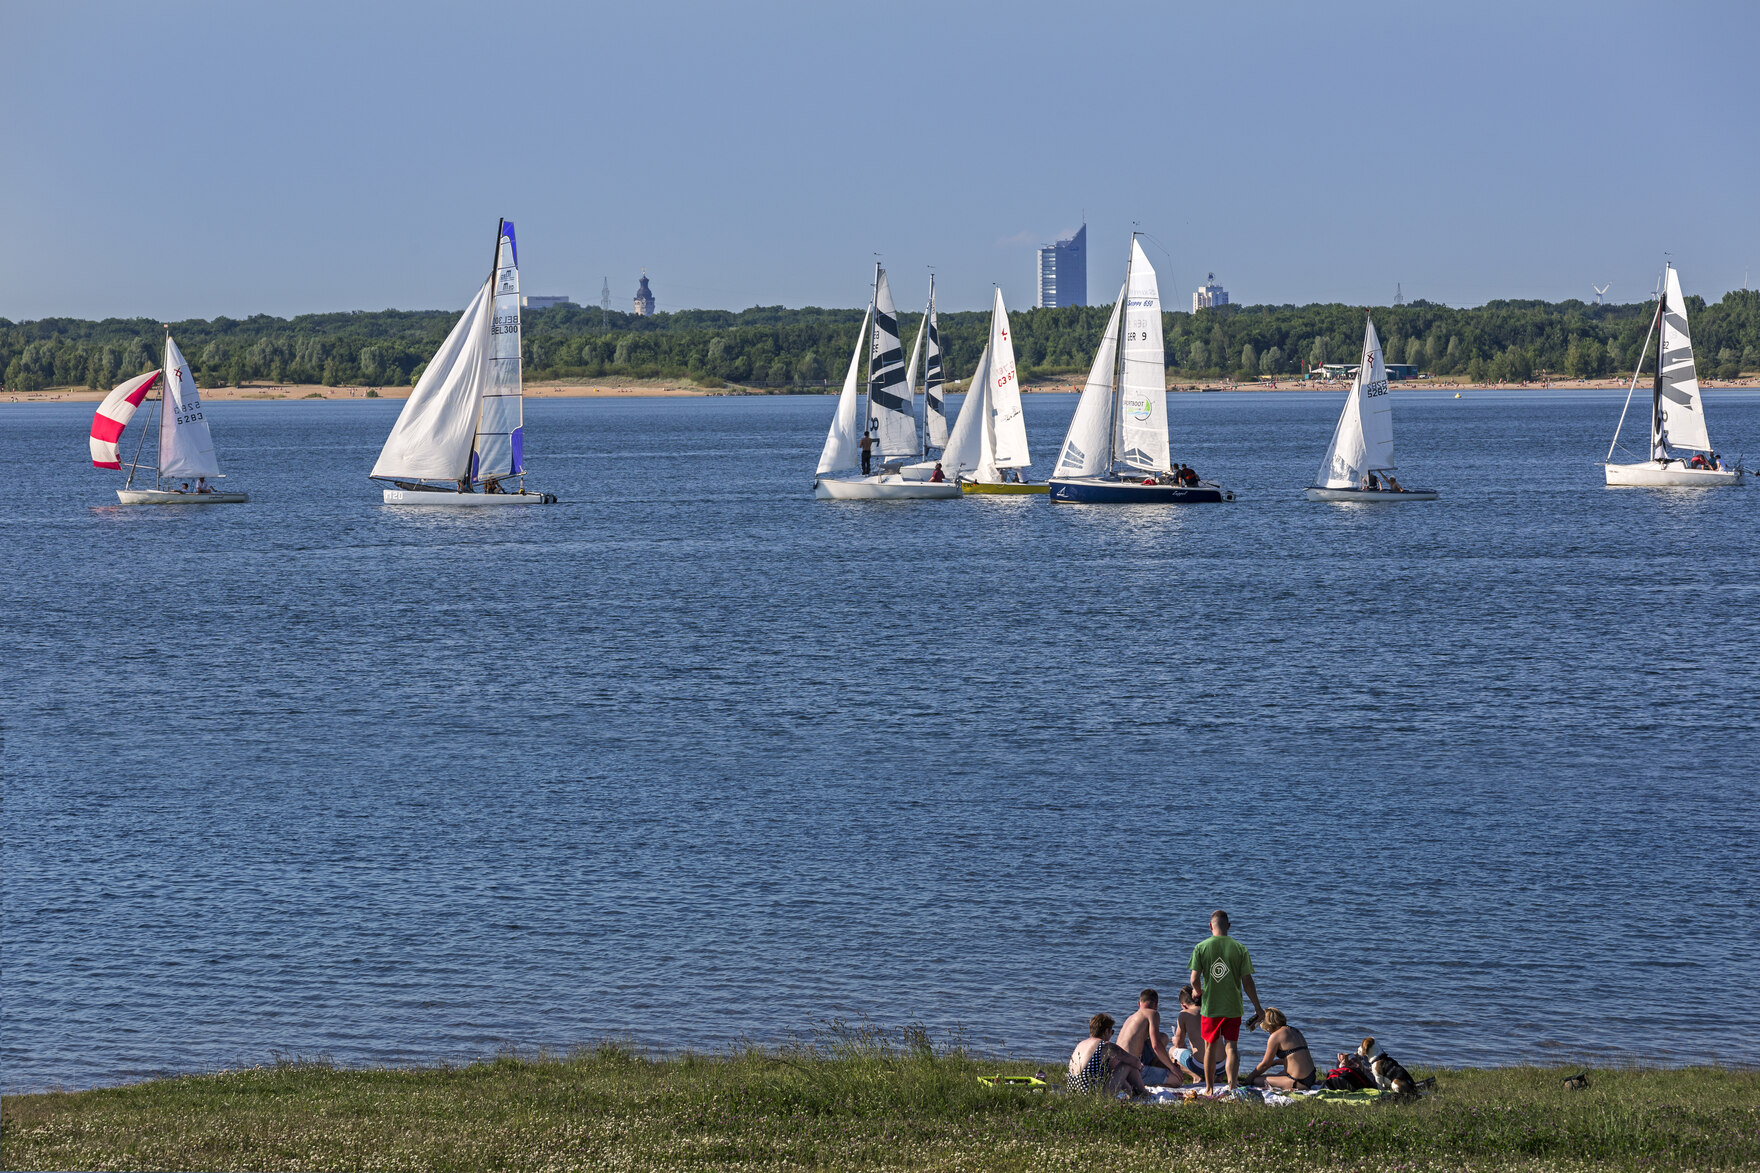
[(113, 415)]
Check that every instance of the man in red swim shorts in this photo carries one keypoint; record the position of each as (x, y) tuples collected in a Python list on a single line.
[(1221, 968)]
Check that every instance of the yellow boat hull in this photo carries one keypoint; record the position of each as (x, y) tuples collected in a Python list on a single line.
[(1008, 490)]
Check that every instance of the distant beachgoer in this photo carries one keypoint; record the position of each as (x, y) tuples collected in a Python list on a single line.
[(937, 477), (867, 447), (1099, 1065), (1143, 1037), (1287, 1047), (1221, 969)]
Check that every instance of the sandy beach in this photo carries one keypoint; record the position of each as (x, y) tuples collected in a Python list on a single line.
[(646, 388)]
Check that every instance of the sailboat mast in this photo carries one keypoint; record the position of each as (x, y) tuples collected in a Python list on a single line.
[(923, 429), (873, 331), (1658, 442), (1118, 359)]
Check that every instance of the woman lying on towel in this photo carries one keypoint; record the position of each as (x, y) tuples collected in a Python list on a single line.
[(1288, 1048), (1098, 1064)]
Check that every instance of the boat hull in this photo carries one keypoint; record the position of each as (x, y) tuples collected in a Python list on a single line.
[(1673, 475), (469, 500), (167, 497), (1006, 490), (1101, 491), (888, 487), (1368, 496)]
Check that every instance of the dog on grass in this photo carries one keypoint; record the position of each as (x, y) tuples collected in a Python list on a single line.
[(1390, 1076)]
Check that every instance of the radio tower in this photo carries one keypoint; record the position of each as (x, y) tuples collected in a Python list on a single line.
[(605, 305), (1399, 294)]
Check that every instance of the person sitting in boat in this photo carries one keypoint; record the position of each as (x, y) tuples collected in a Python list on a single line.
[(1188, 476), (1698, 461), (1371, 482), (937, 477), (183, 488), (493, 485), (464, 484), (1392, 483), (202, 485)]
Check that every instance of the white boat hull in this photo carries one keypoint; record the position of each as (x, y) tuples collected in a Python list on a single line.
[(887, 487), (1370, 496), (1672, 475), (472, 500), (170, 497)]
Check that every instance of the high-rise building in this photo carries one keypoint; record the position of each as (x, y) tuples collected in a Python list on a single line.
[(644, 298), (1063, 272), (1210, 295)]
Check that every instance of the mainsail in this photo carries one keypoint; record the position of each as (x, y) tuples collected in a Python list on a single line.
[(934, 399), (498, 450), (186, 448), (1363, 438), (892, 414), (1142, 390), (434, 434), (842, 442), (1678, 417), (1002, 432), (113, 415), (962, 451), (1087, 448)]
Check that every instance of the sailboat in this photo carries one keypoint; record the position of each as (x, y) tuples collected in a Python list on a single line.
[(989, 441), (186, 447), (460, 439), (1677, 413), (1121, 418), (890, 424), (1357, 466), (934, 430)]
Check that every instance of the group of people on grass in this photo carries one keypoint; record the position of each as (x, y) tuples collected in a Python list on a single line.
[(1205, 1041)]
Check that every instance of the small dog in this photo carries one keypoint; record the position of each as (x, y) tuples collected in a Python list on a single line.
[(1389, 1075), (1578, 1081)]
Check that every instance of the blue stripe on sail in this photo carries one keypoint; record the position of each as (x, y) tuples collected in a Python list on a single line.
[(473, 464), (512, 244), (519, 449)]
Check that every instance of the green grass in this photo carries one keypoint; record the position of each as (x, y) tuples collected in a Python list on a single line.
[(858, 1100)]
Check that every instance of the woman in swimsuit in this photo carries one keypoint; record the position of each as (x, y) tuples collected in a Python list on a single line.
[(1288, 1047), (1098, 1064)]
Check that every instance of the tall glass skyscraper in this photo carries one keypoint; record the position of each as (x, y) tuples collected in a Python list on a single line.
[(1063, 272)]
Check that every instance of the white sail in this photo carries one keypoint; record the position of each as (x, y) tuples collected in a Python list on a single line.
[(1142, 391), (1087, 447), (842, 449), (1362, 440), (433, 436), (1680, 420), (499, 448), (891, 413), (934, 398), (910, 370), (962, 451), (1003, 431), (186, 448)]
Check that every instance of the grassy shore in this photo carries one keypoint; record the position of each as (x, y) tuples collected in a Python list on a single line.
[(857, 1102)]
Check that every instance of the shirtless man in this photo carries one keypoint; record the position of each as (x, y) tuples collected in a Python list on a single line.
[(1188, 1039), (1142, 1036)]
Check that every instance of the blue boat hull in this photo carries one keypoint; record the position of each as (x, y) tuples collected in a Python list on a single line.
[(1096, 491)]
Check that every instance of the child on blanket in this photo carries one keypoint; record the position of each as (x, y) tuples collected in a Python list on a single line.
[(1188, 1043)]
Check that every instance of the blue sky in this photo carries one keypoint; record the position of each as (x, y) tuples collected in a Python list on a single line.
[(177, 160)]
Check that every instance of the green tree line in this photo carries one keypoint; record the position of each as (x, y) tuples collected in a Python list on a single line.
[(769, 346)]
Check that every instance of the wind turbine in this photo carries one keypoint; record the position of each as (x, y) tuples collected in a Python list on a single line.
[(1599, 290)]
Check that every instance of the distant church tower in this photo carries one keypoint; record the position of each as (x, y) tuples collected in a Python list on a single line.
[(644, 298)]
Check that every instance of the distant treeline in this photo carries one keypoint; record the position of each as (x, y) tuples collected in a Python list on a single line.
[(1501, 341)]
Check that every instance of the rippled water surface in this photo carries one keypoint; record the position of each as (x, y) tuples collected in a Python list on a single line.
[(693, 756)]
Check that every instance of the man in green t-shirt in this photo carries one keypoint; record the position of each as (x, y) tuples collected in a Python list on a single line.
[(1220, 970)]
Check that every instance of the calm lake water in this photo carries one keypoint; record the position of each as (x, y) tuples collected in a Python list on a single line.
[(692, 756)]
